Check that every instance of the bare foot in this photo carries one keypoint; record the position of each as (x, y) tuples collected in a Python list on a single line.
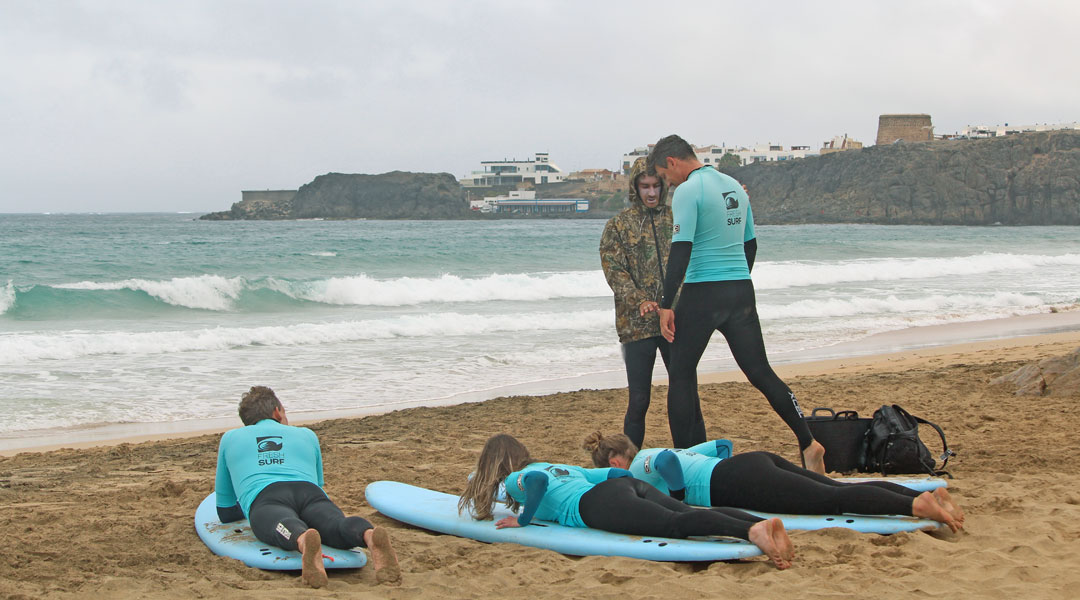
[(769, 535), (926, 506), (944, 498), (383, 557), (814, 457), (312, 570)]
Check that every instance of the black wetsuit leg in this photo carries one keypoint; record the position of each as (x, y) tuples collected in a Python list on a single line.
[(631, 506), (766, 482), (640, 357), (284, 510), (728, 307)]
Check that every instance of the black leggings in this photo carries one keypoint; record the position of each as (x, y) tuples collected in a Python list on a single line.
[(631, 506), (766, 482), (286, 509), (640, 357), (730, 308)]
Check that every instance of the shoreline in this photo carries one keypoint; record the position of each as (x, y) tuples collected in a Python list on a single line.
[(1014, 336)]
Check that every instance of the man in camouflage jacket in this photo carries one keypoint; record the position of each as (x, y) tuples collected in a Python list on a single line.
[(633, 253)]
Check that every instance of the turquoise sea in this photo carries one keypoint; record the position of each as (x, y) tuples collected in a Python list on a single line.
[(153, 318)]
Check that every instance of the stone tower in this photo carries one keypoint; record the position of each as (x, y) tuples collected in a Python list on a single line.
[(909, 128)]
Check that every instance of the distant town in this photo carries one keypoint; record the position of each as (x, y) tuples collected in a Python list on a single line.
[(509, 186)]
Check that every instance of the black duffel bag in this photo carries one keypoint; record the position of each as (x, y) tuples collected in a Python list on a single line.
[(892, 444), (843, 434)]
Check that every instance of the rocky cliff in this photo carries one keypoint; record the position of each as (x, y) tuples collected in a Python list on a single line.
[(394, 195), (1022, 179)]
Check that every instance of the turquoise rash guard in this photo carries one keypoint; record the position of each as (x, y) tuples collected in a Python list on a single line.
[(551, 492), (712, 211), (252, 457), (672, 471)]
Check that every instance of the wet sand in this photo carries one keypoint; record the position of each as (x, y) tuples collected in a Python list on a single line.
[(115, 521)]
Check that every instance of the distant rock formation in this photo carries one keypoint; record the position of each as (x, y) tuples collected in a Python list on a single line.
[(1058, 376), (394, 195), (1021, 179)]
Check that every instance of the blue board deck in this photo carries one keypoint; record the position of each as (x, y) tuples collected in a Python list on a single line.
[(235, 540), (916, 482), (438, 512)]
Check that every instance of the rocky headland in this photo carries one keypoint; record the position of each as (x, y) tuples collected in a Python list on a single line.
[(394, 195), (1021, 179)]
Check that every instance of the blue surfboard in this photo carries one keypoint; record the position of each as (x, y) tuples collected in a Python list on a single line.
[(235, 540), (917, 483), (437, 511)]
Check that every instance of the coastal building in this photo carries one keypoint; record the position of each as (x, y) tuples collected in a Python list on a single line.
[(593, 175), (712, 154), (989, 131), (839, 144), (511, 172), (525, 202), (904, 128)]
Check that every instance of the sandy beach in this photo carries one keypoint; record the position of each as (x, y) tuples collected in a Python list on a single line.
[(115, 521)]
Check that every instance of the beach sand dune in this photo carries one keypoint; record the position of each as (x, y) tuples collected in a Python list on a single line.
[(116, 521)]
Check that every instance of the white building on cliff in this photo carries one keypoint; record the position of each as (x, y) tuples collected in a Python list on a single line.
[(511, 172)]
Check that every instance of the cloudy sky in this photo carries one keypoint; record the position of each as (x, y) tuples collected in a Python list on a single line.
[(178, 105)]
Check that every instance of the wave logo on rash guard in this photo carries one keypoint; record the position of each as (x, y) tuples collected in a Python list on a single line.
[(270, 443), (557, 471), (730, 201), (270, 450)]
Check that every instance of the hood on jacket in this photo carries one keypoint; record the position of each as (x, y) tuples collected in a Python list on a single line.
[(637, 171)]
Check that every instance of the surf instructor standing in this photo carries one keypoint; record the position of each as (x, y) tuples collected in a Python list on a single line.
[(712, 253)]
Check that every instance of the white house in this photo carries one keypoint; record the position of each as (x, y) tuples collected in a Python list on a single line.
[(988, 131), (711, 155), (511, 172)]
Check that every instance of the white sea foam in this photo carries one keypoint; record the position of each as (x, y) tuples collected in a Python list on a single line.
[(23, 348), (209, 292), (7, 297), (955, 304), (322, 253), (364, 290), (787, 274)]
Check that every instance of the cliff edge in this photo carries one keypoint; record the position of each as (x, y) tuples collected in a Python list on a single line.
[(1021, 179)]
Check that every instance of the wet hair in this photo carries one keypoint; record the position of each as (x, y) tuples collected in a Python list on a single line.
[(671, 146), (603, 447), (501, 456), (257, 404)]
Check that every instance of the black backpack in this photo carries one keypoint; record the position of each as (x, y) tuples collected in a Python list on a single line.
[(892, 444)]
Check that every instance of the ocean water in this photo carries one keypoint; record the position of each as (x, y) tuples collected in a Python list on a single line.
[(151, 318)]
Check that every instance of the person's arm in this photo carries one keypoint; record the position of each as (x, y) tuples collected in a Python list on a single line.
[(750, 248), (318, 458), (667, 465), (714, 448), (616, 270), (228, 507), (536, 484)]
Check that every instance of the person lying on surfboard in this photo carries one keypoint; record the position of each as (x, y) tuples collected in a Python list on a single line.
[(707, 475), (605, 499), (272, 472)]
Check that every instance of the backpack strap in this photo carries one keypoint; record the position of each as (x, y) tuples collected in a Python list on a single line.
[(946, 454)]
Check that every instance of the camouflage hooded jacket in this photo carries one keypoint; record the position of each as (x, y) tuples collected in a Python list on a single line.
[(634, 252)]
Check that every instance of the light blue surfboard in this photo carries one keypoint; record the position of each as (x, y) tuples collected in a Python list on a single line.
[(438, 512), (917, 483), (235, 540)]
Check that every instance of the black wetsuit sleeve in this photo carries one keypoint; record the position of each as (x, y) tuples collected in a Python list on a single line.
[(678, 260), (536, 485), (750, 248), (229, 514)]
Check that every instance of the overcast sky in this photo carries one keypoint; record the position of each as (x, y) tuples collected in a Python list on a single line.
[(148, 105)]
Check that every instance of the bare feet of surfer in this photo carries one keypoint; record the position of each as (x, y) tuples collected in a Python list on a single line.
[(814, 457), (944, 498), (312, 570), (926, 506), (769, 535), (383, 556)]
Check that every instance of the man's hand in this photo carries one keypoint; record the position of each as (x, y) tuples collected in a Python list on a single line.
[(667, 324), (647, 307), (507, 522)]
